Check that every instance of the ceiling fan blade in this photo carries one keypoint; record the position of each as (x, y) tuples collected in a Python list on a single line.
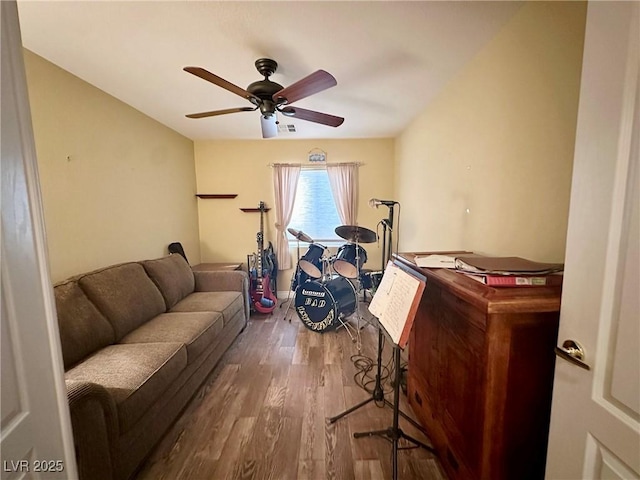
[(312, 116), (221, 82), (220, 112), (314, 83), (269, 126)]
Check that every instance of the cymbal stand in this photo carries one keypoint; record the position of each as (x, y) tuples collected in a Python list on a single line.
[(326, 276), (358, 284), (297, 275)]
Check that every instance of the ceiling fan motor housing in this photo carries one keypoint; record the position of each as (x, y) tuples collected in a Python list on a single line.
[(265, 89)]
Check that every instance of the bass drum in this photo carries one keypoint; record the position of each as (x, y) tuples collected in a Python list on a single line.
[(319, 305)]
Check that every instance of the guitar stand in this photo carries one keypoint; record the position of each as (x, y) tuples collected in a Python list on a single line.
[(394, 433), (378, 393)]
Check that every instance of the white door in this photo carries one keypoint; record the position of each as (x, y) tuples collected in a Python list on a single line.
[(595, 418), (35, 438)]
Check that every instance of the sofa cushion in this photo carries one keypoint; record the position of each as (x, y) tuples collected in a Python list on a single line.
[(227, 303), (83, 329), (173, 277), (134, 374), (197, 330), (125, 295)]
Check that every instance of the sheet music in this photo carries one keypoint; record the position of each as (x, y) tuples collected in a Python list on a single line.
[(393, 302)]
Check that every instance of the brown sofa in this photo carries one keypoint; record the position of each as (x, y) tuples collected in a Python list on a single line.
[(138, 339)]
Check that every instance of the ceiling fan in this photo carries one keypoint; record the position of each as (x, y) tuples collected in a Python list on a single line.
[(271, 97)]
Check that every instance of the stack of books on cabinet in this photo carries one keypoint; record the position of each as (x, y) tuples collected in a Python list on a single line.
[(497, 271)]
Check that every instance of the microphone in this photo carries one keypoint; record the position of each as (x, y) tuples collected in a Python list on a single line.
[(375, 203)]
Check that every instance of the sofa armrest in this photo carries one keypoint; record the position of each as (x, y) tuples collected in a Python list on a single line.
[(95, 428), (221, 280), (224, 281)]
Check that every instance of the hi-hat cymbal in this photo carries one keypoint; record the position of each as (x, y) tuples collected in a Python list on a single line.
[(356, 234), (300, 235)]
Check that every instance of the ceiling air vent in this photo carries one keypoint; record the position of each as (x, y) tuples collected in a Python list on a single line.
[(286, 128)]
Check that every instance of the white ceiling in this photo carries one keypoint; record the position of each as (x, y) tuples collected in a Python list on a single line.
[(390, 58)]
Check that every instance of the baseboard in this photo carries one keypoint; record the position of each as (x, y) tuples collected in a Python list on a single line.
[(283, 295)]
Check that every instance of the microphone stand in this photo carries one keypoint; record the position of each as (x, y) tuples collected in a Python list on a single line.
[(378, 393), (387, 232)]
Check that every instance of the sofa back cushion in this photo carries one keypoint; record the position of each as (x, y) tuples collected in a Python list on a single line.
[(125, 295), (83, 329), (173, 277)]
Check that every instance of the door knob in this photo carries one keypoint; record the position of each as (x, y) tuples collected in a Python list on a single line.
[(573, 352)]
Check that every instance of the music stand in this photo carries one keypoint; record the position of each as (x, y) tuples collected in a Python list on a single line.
[(378, 393), (394, 433), (395, 304)]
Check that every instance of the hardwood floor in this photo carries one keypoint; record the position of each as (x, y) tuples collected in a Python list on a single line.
[(263, 413)]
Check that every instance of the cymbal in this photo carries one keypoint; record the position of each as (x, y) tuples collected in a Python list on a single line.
[(356, 234), (300, 235)]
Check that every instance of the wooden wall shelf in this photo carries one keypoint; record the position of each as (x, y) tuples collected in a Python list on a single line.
[(216, 195), (254, 209)]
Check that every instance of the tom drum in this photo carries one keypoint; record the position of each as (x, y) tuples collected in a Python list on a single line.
[(349, 260), (311, 262)]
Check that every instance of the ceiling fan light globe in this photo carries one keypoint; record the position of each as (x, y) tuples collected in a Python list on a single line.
[(269, 126)]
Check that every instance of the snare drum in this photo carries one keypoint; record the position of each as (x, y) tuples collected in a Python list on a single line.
[(370, 280), (349, 260), (320, 304), (311, 262)]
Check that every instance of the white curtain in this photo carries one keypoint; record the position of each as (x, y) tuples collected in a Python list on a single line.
[(343, 178), (285, 184)]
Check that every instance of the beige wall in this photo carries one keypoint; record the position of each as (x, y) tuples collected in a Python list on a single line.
[(116, 185), (487, 167), (242, 167)]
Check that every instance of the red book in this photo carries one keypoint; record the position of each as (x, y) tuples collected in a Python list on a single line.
[(519, 280)]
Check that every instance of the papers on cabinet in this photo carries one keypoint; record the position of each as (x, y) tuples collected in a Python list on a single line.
[(435, 261)]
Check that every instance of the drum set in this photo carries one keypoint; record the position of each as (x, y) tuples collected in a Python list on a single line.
[(326, 286)]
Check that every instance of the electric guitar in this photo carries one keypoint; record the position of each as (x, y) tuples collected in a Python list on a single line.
[(264, 301)]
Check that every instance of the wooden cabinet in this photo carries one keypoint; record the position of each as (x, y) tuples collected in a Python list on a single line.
[(480, 374)]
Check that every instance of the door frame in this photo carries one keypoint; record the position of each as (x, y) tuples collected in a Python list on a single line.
[(29, 310)]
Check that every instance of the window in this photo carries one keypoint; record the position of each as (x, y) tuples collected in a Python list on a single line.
[(314, 211)]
